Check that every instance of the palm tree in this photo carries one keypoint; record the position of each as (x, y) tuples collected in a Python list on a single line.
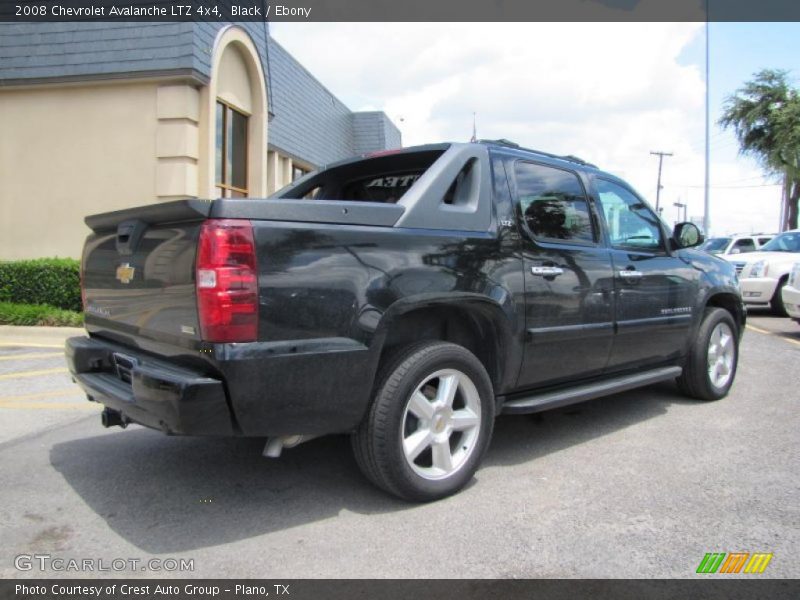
[(765, 116)]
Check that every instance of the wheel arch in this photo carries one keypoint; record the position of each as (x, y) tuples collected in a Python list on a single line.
[(476, 323), (783, 279), (730, 302)]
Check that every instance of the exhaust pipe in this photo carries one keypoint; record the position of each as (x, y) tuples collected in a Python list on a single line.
[(113, 418), (275, 445)]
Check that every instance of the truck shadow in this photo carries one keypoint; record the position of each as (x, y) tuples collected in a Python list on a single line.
[(172, 494), (521, 438)]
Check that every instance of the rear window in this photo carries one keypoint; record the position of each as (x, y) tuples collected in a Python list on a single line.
[(383, 188), (384, 178)]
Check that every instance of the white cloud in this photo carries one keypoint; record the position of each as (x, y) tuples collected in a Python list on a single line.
[(607, 92)]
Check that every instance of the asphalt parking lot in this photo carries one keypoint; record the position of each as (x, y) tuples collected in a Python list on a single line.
[(637, 485)]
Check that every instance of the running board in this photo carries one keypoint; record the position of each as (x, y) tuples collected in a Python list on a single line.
[(547, 400)]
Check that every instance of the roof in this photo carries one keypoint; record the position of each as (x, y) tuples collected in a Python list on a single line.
[(321, 129), (504, 143), (317, 130), (33, 53)]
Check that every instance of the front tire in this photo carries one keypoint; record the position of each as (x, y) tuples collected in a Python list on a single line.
[(711, 366), (429, 424)]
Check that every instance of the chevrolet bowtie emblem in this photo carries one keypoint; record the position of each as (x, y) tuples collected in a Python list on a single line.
[(125, 273)]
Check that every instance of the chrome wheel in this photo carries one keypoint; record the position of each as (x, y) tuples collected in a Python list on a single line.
[(441, 424), (721, 355)]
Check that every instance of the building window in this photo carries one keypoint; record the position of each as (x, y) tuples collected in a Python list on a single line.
[(298, 172), (231, 149)]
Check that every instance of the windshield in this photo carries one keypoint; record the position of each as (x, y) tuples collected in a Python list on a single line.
[(715, 245), (785, 242)]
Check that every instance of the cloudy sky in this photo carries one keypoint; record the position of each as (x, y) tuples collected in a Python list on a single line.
[(609, 93)]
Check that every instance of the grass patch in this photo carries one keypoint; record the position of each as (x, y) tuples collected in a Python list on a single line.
[(38, 314)]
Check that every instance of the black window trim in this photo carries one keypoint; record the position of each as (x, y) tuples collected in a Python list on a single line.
[(551, 242)]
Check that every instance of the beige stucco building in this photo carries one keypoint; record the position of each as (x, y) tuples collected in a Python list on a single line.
[(96, 117)]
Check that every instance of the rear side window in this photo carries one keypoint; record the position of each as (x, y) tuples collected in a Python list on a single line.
[(552, 204), (381, 188)]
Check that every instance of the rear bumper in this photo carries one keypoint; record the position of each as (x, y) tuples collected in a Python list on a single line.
[(149, 391)]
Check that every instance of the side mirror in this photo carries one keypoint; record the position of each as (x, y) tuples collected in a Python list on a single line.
[(687, 235), (736, 251)]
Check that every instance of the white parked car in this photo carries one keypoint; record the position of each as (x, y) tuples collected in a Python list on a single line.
[(791, 293), (764, 274), (729, 246)]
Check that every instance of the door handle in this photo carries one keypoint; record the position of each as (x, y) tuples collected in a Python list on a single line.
[(547, 271), (631, 274)]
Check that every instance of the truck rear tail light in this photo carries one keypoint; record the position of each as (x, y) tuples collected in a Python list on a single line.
[(227, 281)]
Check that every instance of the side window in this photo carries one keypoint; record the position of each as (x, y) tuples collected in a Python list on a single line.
[(631, 224), (745, 245), (460, 192), (552, 204), (763, 240)]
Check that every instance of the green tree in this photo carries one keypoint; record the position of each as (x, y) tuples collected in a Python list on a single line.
[(765, 116)]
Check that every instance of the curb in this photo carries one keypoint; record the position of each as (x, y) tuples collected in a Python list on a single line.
[(38, 336)]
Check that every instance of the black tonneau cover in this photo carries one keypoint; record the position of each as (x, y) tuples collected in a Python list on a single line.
[(266, 209)]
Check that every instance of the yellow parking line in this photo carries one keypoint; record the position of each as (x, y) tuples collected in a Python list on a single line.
[(32, 373), (27, 345), (758, 329), (30, 356), (774, 333), (49, 405), (51, 394)]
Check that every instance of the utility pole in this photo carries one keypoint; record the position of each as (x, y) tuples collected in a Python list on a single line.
[(679, 206), (706, 183), (661, 156)]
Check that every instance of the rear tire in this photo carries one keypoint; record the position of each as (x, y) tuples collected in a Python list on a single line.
[(776, 304), (711, 366), (429, 424)]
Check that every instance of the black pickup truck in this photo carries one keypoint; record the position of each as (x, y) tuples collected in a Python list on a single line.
[(405, 298)]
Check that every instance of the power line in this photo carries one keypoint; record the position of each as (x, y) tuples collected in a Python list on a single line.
[(700, 144), (725, 187), (743, 179)]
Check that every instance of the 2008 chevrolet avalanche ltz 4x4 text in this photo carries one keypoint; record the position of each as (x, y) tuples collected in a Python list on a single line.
[(405, 298)]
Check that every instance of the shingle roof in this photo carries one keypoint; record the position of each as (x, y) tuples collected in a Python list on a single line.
[(38, 52)]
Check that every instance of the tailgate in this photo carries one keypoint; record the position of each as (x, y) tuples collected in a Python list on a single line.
[(138, 272)]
